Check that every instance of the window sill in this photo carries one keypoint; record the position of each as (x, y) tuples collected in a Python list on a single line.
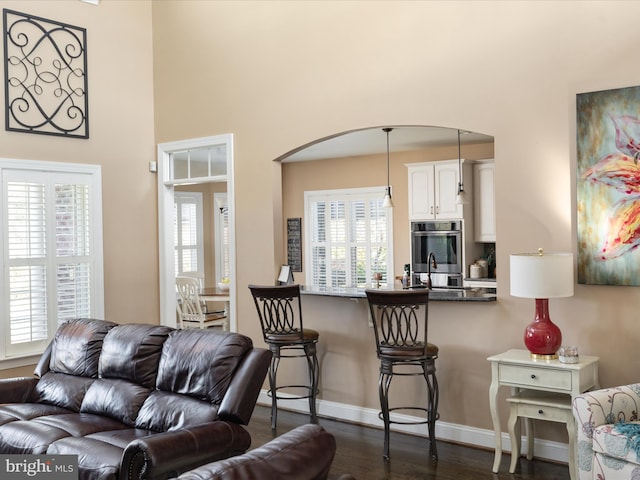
[(9, 363)]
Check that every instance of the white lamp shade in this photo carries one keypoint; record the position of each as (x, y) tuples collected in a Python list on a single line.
[(547, 275)]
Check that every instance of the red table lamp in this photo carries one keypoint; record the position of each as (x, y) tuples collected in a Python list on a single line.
[(542, 276)]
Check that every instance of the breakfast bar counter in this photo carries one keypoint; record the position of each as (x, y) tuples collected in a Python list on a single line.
[(436, 294)]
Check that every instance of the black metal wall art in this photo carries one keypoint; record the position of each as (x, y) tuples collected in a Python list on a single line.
[(45, 64)]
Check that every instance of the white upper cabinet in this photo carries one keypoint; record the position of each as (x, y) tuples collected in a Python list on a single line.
[(484, 202), (433, 188)]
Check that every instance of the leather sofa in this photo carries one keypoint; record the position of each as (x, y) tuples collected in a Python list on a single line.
[(304, 453), (135, 401)]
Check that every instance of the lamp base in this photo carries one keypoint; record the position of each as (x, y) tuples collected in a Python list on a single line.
[(542, 337), (537, 356)]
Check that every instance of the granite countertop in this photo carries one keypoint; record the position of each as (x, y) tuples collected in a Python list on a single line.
[(437, 294)]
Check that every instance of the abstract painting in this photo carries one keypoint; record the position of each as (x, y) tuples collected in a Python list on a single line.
[(608, 187)]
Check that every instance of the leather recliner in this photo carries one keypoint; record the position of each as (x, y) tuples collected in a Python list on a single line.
[(135, 401), (304, 453)]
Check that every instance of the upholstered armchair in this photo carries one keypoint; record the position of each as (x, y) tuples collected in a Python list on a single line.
[(608, 429)]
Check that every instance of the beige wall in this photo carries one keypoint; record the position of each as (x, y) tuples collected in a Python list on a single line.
[(120, 75), (281, 74)]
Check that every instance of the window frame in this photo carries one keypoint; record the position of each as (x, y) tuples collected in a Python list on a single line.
[(221, 234), (93, 175), (348, 195)]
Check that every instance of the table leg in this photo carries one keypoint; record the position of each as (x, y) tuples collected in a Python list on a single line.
[(493, 406), (515, 435), (573, 461)]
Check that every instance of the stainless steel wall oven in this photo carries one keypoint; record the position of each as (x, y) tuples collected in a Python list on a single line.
[(444, 240)]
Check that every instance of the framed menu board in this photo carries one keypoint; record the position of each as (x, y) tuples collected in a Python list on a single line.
[(294, 244)]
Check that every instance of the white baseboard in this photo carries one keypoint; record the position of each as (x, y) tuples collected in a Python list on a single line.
[(477, 437)]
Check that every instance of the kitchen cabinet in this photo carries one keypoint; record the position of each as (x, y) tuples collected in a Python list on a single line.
[(433, 187), (484, 202)]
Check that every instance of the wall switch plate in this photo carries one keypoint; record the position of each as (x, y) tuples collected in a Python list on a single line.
[(153, 167)]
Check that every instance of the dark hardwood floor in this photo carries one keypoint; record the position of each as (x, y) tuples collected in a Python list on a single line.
[(359, 453)]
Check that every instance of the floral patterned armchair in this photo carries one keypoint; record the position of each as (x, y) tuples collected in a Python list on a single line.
[(608, 429)]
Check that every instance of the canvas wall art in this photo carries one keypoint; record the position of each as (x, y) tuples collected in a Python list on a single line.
[(608, 187)]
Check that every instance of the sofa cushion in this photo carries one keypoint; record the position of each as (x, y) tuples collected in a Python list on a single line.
[(117, 399), (66, 391), (200, 363), (34, 436), (99, 454), (28, 437), (77, 345), (26, 411), (164, 411), (609, 441), (132, 352)]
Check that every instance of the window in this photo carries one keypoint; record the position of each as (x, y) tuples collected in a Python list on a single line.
[(188, 232), (348, 238), (51, 222)]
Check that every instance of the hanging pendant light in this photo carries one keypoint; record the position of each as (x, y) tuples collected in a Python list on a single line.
[(461, 197), (387, 202)]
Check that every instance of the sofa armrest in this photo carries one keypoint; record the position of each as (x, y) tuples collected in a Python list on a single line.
[(304, 453), (602, 407), (241, 397), (17, 390), (167, 454)]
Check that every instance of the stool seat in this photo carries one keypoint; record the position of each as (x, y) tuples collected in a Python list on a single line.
[(280, 313), (409, 352), (308, 335), (400, 321)]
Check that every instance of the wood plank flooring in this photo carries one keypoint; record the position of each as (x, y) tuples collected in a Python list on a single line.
[(359, 453)]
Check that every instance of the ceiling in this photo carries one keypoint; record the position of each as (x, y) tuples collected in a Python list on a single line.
[(374, 141)]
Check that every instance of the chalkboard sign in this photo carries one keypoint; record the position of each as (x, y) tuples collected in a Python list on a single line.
[(294, 243)]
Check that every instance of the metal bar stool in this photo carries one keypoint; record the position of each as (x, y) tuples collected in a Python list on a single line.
[(281, 322), (400, 323)]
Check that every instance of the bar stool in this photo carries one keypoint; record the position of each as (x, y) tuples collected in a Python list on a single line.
[(400, 324), (280, 312)]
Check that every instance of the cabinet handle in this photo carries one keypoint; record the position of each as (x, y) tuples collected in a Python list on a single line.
[(540, 411), (431, 208), (437, 209), (533, 376)]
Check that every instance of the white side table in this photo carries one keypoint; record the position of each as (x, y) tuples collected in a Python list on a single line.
[(517, 370)]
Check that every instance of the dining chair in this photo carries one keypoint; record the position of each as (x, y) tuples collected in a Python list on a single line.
[(200, 277), (280, 313), (400, 324), (189, 306)]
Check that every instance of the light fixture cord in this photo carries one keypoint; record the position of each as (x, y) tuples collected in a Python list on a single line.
[(388, 177), (460, 183)]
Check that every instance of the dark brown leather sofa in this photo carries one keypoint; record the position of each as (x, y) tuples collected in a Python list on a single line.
[(304, 453), (135, 401)]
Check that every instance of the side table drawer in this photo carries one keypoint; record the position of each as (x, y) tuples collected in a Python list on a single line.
[(535, 377)]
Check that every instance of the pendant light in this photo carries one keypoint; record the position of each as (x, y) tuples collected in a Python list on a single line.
[(387, 203), (461, 197)]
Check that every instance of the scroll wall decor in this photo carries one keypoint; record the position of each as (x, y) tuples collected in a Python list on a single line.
[(608, 187), (45, 64)]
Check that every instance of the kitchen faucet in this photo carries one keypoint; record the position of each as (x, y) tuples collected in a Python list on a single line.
[(431, 261)]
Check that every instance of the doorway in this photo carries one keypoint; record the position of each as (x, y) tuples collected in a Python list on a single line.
[(192, 162)]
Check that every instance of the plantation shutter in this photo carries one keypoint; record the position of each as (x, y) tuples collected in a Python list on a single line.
[(348, 239), (49, 255)]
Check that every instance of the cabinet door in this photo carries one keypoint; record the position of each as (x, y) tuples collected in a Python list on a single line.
[(446, 190), (484, 202), (421, 194)]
